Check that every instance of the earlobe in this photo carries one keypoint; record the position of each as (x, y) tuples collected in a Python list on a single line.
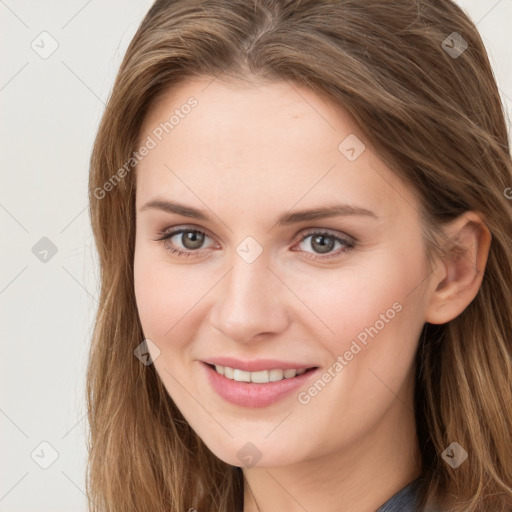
[(467, 242)]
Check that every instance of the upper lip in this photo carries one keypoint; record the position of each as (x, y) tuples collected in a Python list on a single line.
[(257, 365)]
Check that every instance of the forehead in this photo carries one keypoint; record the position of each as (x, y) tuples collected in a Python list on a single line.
[(243, 141), (231, 121)]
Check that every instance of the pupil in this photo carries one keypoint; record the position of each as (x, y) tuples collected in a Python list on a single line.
[(192, 239), (322, 247)]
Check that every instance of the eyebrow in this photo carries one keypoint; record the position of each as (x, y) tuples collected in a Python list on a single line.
[(330, 210)]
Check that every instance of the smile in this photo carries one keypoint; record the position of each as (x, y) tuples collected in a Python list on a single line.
[(260, 377), (256, 389)]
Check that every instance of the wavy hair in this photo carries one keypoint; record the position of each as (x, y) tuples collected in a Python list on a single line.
[(435, 118)]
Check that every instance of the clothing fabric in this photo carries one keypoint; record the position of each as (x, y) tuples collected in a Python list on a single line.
[(403, 501)]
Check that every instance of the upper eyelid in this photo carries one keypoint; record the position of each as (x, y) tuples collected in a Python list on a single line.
[(169, 232)]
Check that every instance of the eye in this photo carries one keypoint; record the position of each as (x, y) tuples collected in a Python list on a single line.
[(323, 243), (190, 239), (189, 242)]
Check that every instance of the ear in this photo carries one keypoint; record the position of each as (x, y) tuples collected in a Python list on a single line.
[(457, 279)]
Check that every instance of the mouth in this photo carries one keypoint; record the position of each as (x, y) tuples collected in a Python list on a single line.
[(259, 377), (257, 389)]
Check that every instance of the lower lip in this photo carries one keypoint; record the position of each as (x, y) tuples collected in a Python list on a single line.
[(250, 394)]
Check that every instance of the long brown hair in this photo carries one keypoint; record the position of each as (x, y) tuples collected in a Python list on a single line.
[(433, 111)]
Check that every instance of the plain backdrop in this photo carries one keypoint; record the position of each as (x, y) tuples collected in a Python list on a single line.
[(50, 107)]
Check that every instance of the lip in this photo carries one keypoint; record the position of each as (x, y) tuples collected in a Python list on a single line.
[(250, 394), (258, 364)]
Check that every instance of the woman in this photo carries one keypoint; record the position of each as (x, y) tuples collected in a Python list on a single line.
[(303, 227)]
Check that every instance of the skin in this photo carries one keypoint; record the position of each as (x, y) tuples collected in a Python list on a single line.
[(247, 154)]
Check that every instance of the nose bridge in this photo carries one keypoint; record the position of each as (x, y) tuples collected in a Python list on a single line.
[(249, 301)]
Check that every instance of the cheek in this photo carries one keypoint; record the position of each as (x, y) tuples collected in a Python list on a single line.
[(351, 299), (167, 294), (385, 322), (377, 323), (371, 312)]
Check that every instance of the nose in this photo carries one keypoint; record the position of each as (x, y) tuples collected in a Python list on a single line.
[(250, 302)]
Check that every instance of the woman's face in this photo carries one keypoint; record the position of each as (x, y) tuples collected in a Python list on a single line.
[(268, 280)]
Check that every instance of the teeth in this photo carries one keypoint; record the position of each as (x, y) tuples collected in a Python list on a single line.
[(241, 376), (260, 377), (276, 375)]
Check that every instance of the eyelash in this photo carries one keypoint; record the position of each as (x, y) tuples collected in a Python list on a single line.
[(349, 245)]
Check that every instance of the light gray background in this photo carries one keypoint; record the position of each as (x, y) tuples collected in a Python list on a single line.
[(49, 111)]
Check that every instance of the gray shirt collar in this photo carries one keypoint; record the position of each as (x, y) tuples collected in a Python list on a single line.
[(403, 501)]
